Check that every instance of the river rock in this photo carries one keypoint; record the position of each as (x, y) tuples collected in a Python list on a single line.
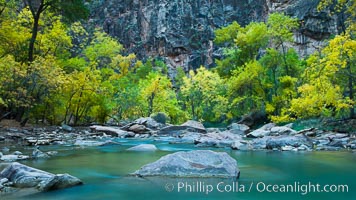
[(23, 176), (149, 122), (12, 158), (36, 154), (261, 132), (189, 126), (199, 163), (194, 124), (93, 143), (240, 129), (67, 128), (113, 131), (188, 138), (143, 147), (218, 139), (241, 145), (138, 128), (282, 141), (282, 130)]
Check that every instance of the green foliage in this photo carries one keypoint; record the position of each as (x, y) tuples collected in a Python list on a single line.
[(53, 70), (204, 97)]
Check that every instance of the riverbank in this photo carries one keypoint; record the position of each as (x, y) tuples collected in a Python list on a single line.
[(235, 136)]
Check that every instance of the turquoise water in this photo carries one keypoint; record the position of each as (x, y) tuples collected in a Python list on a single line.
[(104, 170)]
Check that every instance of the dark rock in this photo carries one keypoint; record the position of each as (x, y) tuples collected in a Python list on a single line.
[(253, 118), (137, 128), (199, 163)]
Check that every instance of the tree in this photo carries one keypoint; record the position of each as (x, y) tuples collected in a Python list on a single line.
[(204, 94), (69, 8), (329, 84), (280, 29)]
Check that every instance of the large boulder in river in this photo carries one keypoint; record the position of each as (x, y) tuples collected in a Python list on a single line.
[(189, 126), (199, 163), (22, 176)]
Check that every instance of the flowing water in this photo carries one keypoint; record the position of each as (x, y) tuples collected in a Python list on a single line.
[(104, 171)]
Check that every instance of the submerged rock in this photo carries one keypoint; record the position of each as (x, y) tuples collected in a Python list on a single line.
[(199, 163), (23, 176), (143, 147), (36, 154)]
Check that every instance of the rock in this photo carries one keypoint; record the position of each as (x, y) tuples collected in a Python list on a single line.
[(5, 149), (59, 181), (287, 148), (143, 147), (52, 153), (137, 128), (67, 128), (36, 154), (116, 132), (282, 130), (17, 153), (261, 132), (34, 142), (240, 145), (199, 163), (340, 142), (93, 143), (23, 176), (188, 138), (194, 124), (259, 143), (282, 141), (220, 139), (258, 133), (189, 126), (240, 129), (2, 138), (12, 158)]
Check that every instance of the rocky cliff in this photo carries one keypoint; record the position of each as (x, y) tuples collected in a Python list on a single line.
[(181, 32)]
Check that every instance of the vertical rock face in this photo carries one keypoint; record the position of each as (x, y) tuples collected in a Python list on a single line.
[(181, 32)]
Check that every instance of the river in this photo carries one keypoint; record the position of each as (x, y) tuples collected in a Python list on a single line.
[(264, 174)]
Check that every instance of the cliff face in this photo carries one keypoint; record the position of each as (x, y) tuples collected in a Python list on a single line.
[(181, 32)]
